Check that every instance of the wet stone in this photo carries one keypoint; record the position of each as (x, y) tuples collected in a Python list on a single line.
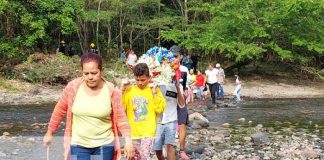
[(260, 139), (2, 154)]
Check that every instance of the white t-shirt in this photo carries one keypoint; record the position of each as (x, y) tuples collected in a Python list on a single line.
[(171, 97), (211, 75), (131, 59)]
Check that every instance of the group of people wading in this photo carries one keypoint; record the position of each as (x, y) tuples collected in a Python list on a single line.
[(96, 112), (147, 116)]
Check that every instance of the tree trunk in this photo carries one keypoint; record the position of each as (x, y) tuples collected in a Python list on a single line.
[(97, 27), (121, 22), (83, 35), (8, 26), (109, 35)]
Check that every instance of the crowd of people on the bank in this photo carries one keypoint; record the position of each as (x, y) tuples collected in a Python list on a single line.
[(147, 116)]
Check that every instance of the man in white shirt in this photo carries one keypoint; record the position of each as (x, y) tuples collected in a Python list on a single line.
[(167, 121), (211, 76)]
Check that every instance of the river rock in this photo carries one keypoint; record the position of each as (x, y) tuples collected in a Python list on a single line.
[(226, 125), (259, 126), (288, 131), (260, 138), (223, 133), (309, 153), (217, 139), (255, 158), (7, 134), (241, 119), (247, 139), (2, 154), (31, 139), (6, 126), (226, 154), (240, 157), (229, 105), (197, 124), (196, 149)]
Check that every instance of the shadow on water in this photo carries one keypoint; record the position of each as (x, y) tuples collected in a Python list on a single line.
[(306, 114)]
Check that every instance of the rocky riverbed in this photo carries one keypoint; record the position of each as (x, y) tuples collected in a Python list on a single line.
[(246, 139), (254, 144), (222, 138)]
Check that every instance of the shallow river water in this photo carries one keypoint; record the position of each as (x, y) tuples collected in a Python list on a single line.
[(27, 124)]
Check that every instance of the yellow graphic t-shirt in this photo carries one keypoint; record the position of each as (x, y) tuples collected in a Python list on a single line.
[(142, 109)]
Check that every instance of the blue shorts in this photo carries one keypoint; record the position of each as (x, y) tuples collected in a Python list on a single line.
[(165, 134), (183, 117)]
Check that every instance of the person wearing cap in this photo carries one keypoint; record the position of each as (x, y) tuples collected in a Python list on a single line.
[(93, 48), (182, 112), (61, 48), (220, 81), (176, 63)]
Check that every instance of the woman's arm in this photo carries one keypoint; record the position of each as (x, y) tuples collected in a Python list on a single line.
[(122, 122), (57, 115)]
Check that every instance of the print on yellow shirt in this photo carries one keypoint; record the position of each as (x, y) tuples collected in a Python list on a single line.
[(140, 108)]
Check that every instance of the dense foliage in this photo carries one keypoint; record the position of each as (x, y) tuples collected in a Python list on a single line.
[(290, 31)]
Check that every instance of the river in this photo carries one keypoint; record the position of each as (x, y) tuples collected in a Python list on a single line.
[(27, 124)]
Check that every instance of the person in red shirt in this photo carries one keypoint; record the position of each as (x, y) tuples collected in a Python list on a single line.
[(200, 84)]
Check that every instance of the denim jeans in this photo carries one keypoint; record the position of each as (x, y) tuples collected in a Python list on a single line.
[(212, 89), (220, 91), (237, 92), (105, 152), (200, 92)]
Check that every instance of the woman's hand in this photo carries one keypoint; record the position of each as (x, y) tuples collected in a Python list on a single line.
[(129, 151), (48, 138)]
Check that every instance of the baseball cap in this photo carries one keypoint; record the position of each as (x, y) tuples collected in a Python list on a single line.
[(217, 65), (175, 50)]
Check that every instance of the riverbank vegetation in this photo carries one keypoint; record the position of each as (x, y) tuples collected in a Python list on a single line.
[(232, 32)]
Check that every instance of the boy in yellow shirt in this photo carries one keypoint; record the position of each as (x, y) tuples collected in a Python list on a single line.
[(142, 105)]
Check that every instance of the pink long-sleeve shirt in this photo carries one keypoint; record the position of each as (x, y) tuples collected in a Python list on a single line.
[(64, 106)]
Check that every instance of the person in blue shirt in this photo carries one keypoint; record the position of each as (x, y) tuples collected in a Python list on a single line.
[(122, 54)]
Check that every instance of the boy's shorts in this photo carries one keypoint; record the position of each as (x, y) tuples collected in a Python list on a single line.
[(165, 134)]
